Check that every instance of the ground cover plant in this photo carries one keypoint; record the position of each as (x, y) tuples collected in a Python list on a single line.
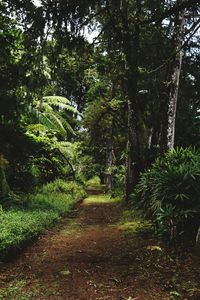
[(31, 216)]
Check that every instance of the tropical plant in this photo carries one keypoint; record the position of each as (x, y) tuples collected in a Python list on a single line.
[(169, 193), (50, 112), (51, 130)]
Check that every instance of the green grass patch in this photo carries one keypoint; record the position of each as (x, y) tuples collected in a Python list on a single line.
[(39, 212), (133, 223), (100, 199)]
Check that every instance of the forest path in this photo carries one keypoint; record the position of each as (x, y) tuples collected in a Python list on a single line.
[(90, 255)]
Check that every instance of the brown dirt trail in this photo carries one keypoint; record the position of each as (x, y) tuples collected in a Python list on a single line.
[(90, 257)]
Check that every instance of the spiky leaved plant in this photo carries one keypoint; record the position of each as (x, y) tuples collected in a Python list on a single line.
[(169, 193)]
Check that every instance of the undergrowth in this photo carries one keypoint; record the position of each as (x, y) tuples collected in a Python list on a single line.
[(25, 219), (94, 182), (133, 223), (169, 193)]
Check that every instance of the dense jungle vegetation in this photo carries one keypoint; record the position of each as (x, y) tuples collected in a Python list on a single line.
[(99, 93)]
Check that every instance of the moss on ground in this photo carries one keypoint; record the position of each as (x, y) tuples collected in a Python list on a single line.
[(101, 198), (132, 223)]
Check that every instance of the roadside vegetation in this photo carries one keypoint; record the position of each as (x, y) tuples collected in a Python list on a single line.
[(117, 116), (169, 192), (23, 219)]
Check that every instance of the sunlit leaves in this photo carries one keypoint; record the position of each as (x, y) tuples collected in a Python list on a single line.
[(49, 113)]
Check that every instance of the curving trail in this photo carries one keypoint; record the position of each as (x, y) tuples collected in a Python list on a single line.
[(90, 257)]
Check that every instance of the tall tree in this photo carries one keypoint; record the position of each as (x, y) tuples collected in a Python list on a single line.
[(175, 77), (130, 47)]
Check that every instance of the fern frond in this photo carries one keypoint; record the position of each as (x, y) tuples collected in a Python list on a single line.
[(55, 123), (56, 100), (37, 127), (48, 112)]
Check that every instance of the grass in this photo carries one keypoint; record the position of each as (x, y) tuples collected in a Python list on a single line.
[(101, 198), (133, 223), (36, 213)]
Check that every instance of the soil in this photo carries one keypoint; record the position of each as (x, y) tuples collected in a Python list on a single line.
[(89, 256)]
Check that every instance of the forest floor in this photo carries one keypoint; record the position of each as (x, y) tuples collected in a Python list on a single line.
[(99, 253)]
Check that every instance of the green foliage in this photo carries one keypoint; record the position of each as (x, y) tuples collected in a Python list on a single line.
[(49, 113), (11, 200), (94, 182), (101, 198), (55, 155), (59, 186), (169, 193), (4, 187), (20, 226), (119, 180), (99, 81), (133, 223), (20, 223)]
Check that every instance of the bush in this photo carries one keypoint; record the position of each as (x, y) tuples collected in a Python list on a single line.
[(59, 186), (19, 224), (17, 227), (94, 182), (169, 193)]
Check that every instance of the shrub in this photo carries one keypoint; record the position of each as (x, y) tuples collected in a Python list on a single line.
[(169, 193), (71, 188), (94, 182)]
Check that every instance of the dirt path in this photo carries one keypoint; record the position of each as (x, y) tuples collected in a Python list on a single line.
[(90, 257)]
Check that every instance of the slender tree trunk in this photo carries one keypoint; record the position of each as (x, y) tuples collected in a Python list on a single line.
[(4, 187), (130, 46), (110, 157), (109, 175), (175, 78), (133, 160)]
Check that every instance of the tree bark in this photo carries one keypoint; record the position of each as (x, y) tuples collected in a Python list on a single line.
[(109, 158), (175, 79), (4, 187), (130, 46)]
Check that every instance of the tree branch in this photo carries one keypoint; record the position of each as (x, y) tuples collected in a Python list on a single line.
[(172, 10), (197, 25)]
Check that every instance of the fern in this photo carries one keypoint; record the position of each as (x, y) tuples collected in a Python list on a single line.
[(48, 112)]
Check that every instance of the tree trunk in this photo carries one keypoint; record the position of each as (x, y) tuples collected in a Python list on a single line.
[(198, 239), (133, 160), (4, 187), (130, 46), (175, 78), (109, 158)]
